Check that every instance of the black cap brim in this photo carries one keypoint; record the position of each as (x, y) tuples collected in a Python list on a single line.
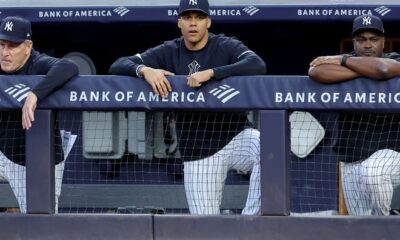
[(11, 38), (194, 10), (365, 29)]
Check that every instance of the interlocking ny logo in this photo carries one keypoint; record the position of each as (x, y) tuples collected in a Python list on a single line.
[(367, 20), (193, 67), (251, 10), (192, 2), (121, 11), (224, 92), (382, 10), (9, 26), (18, 91)]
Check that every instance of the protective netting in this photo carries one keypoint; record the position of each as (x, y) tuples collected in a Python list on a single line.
[(130, 162), (134, 162)]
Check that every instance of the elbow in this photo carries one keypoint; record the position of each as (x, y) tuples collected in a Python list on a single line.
[(117, 67), (74, 69), (114, 67), (263, 68), (260, 67), (70, 66), (383, 72), (314, 74)]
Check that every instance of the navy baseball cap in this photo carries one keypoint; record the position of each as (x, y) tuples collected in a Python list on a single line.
[(368, 22), (194, 5), (15, 29)]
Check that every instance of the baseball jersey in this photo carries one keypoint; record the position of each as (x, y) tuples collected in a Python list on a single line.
[(200, 134), (362, 134), (57, 72)]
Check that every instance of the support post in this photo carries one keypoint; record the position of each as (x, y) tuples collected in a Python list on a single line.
[(275, 181), (40, 183)]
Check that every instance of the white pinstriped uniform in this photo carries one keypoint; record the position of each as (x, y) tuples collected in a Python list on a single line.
[(15, 174), (368, 185), (204, 179)]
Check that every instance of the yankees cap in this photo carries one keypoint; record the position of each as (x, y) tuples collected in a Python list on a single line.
[(194, 5), (15, 29), (367, 22)]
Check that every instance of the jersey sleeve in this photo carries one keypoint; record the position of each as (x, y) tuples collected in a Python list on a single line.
[(130, 65), (57, 72), (243, 61)]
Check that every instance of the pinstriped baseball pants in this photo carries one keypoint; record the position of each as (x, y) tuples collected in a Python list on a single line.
[(16, 176), (205, 179), (368, 185)]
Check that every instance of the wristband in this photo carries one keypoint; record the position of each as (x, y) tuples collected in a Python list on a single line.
[(344, 60), (138, 70)]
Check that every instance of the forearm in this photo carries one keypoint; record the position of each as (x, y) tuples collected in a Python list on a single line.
[(58, 75), (376, 68), (124, 66), (252, 65), (331, 73)]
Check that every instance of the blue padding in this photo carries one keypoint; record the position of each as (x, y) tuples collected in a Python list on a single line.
[(255, 92)]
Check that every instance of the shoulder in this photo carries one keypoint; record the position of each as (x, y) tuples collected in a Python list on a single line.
[(222, 39), (172, 44), (42, 58), (42, 63), (165, 48)]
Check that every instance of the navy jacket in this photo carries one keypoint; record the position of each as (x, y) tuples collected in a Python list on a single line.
[(200, 134), (57, 72)]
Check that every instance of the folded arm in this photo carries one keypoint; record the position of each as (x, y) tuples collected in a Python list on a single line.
[(331, 69)]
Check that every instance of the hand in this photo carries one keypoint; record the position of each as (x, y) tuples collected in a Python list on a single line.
[(28, 110), (157, 80), (336, 59), (197, 79)]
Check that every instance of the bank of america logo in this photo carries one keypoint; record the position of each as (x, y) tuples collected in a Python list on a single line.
[(382, 10), (18, 91), (251, 10), (121, 11), (224, 92)]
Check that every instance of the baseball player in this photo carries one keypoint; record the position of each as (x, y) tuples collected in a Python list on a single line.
[(367, 144), (210, 143), (17, 57)]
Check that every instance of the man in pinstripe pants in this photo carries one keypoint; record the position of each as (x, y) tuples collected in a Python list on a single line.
[(368, 144), (210, 143)]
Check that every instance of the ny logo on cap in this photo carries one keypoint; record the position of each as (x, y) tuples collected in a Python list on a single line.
[(367, 20), (192, 2), (9, 26)]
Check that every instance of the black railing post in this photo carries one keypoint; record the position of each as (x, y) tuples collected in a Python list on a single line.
[(275, 181), (39, 147)]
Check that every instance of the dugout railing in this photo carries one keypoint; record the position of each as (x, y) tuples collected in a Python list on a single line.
[(270, 95)]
